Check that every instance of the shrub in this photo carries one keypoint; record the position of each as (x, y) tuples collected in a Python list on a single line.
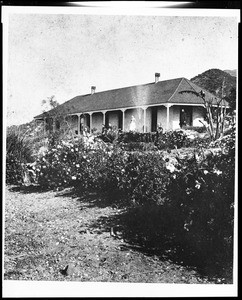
[(137, 146), (18, 153), (201, 197), (171, 140), (64, 164), (140, 177), (136, 137), (137, 176), (109, 136), (162, 141), (199, 129), (136, 141)]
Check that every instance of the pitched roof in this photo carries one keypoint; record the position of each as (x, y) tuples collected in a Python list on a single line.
[(167, 91)]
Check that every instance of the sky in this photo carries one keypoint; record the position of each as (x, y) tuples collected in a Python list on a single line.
[(65, 54)]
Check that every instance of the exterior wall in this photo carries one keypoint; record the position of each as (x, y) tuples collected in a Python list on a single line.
[(174, 117), (198, 114), (148, 119), (97, 121), (161, 116), (113, 118)]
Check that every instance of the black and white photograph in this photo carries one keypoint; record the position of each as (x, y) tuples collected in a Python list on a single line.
[(120, 151)]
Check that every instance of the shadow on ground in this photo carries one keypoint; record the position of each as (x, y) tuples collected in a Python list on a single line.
[(145, 229), (28, 189), (99, 199), (149, 230)]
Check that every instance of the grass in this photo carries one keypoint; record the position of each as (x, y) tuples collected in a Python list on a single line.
[(45, 232)]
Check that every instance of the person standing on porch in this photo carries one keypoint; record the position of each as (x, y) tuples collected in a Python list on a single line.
[(132, 126), (183, 118)]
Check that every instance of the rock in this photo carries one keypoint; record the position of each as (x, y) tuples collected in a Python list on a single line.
[(64, 271), (68, 270)]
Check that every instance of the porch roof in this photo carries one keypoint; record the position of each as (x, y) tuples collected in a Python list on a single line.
[(162, 92)]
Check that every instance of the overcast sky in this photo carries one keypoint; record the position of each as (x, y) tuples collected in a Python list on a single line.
[(64, 54)]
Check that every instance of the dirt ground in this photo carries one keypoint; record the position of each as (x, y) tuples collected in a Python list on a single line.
[(54, 236)]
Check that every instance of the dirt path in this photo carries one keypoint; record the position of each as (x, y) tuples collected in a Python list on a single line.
[(45, 232)]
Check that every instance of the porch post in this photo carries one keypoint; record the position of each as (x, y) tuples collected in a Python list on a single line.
[(144, 108), (78, 124), (90, 121), (123, 120), (104, 117), (168, 116)]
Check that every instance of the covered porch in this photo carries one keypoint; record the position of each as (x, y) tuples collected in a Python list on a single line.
[(169, 116)]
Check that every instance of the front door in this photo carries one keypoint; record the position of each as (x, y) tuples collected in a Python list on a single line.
[(185, 116)]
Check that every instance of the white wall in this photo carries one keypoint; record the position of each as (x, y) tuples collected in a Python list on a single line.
[(148, 119), (198, 114), (161, 116), (113, 118), (175, 117)]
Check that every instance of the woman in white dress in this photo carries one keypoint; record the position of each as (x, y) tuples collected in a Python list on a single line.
[(132, 126)]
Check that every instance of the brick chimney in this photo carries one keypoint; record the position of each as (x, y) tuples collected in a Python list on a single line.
[(93, 89), (157, 76)]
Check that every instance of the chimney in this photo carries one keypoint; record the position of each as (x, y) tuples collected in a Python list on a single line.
[(93, 89), (157, 76)]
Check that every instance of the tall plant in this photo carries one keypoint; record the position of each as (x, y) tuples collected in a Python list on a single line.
[(18, 153), (215, 113)]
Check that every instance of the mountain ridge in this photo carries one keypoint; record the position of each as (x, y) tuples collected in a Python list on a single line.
[(216, 81)]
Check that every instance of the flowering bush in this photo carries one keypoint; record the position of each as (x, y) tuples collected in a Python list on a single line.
[(201, 197), (171, 140), (69, 162), (144, 177), (92, 164)]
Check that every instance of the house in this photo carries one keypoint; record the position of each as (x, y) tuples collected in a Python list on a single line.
[(148, 104)]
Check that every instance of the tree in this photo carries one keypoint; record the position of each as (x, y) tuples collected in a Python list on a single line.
[(215, 113), (231, 99), (49, 103)]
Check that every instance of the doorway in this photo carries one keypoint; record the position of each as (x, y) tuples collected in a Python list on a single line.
[(153, 119)]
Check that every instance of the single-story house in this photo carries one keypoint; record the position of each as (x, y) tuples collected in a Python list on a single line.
[(160, 102)]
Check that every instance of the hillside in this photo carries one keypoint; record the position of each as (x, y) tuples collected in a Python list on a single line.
[(212, 81), (231, 72)]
